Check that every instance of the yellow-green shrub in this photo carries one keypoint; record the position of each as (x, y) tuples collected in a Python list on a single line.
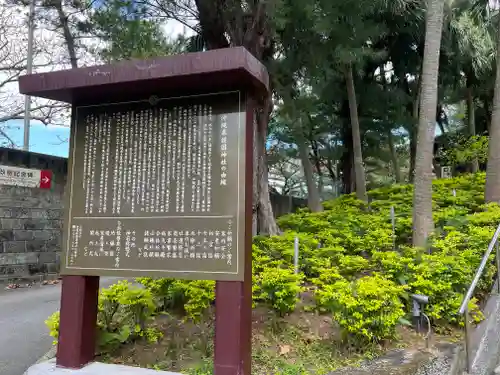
[(188, 297), (123, 312), (278, 288), (368, 308), (346, 254)]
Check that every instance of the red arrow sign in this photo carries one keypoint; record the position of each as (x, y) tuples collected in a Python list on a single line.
[(45, 179)]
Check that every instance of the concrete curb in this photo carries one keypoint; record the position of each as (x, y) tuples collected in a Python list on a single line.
[(49, 355), (32, 279), (457, 362)]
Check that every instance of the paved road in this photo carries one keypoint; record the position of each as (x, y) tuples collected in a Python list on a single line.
[(23, 335)]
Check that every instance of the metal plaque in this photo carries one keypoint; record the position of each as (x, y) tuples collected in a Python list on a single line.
[(157, 188)]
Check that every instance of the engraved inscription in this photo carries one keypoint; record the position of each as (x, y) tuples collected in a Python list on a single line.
[(158, 188)]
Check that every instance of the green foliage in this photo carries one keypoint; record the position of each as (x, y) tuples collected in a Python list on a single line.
[(52, 324), (461, 150), (347, 264), (279, 288), (369, 308), (129, 32), (356, 244), (197, 295), (192, 298), (123, 312)]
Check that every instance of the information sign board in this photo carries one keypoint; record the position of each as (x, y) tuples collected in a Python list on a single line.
[(156, 188)]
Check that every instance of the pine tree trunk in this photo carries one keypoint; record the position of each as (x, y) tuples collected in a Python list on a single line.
[(423, 224), (492, 186), (266, 221), (394, 157), (347, 159), (313, 198), (472, 124), (317, 164), (68, 36), (359, 169)]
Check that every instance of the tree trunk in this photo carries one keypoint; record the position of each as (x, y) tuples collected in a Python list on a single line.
[(68, 36), (317, 164), (413, 132), (217, 19), (487, 114), (423, 223), (331, 172), (472, 123), (413, 154), (313, 199), (359, 169), (347, 158), (394, 157), (266, 221), (492, 186)]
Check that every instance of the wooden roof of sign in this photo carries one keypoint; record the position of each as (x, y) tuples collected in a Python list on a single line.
[(190, 73)]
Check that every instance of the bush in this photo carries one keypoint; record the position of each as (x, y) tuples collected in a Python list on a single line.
[(348, 259), (369, 308), (197, 296), (161, 290), (52, 324), (123, 312), (278, 288), (189, 297)]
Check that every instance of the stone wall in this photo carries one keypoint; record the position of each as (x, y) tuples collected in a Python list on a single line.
[(284, 204), (31, 219)]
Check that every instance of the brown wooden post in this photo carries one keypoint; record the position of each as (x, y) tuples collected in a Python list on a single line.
[(233, 299), (77, 327)]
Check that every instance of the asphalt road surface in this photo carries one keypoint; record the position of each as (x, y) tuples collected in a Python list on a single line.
[(24, 337)]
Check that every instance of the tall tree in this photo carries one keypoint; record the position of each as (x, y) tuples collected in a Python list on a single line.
[(422, 200), (359, 169), (492, 187), (225, 23)]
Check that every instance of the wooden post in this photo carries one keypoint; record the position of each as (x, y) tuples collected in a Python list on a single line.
[(233, 299), (77, 327)]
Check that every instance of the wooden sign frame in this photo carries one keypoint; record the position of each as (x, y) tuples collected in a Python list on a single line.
[(231, 69)]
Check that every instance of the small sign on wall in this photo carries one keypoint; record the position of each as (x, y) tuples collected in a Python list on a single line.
[(33, 178)]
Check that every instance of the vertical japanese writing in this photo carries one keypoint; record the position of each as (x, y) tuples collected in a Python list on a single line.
[(106, 160), (121, 163), (93, 162), (199, 148), (135, 167), (229, 242), (129, 159), (223, 150), (86, 162), (183, 156), (130, 242), (209, 157), (76, 234), (177, 157), (204, 160), (168, 141), (118, 243), (143, 159), (152, 161)]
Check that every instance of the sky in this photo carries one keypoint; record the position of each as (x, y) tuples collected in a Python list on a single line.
[(50, 140)]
